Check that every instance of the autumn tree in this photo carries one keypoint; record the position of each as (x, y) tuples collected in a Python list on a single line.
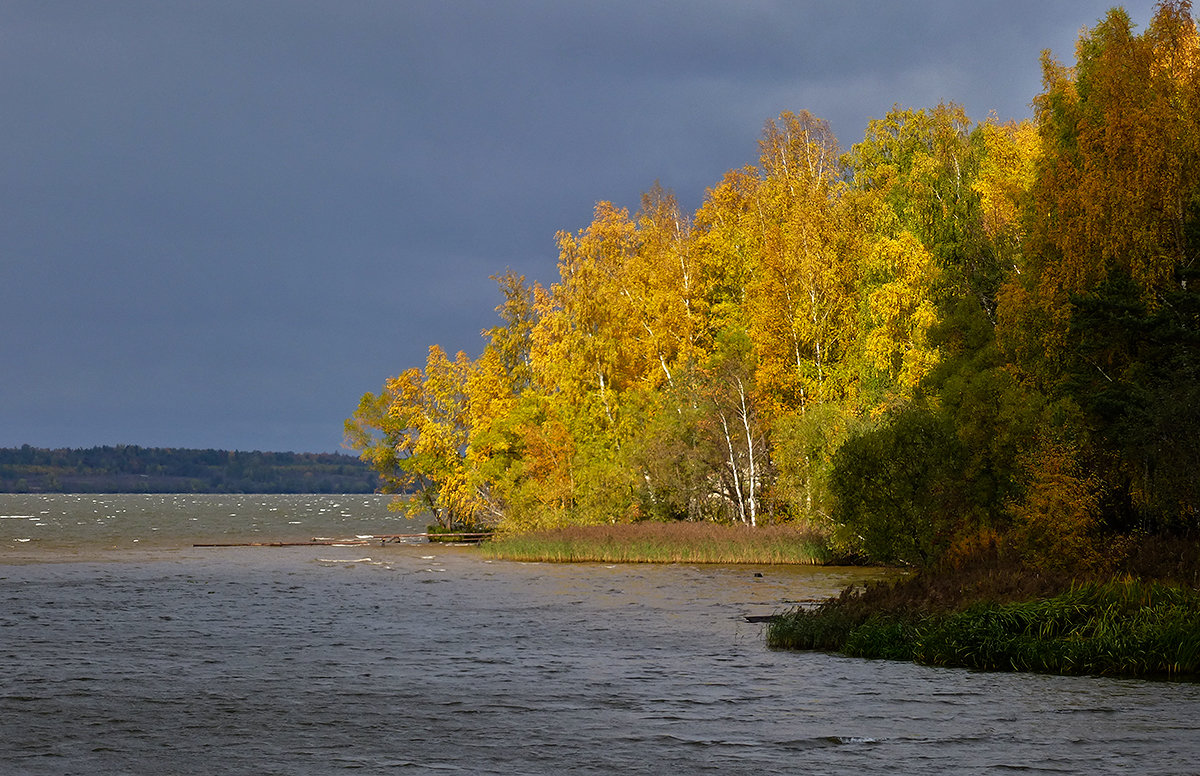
[(415, 433), (663, 290), (800, 294), (1112, 241), (920, 168), (384, 444), (951, 331), (777, 260), (583, 344), (1008, 157), (735, 426), (616, 329), (495, 388), (726, 242), (1116, 190)]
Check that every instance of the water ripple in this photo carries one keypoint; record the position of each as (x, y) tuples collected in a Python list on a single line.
[(314, 660)]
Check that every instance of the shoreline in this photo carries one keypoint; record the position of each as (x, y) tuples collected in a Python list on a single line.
[(1009, 619)]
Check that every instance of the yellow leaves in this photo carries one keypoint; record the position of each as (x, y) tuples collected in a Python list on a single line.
[(440, 415), (626, 312), (798, 295), (582, 334), (1118, 178), (916, 160), (512, 341), (726, 238), (1175, 40), (1121, 142), (900, 274), (489, 398), (415, 433), (1006, 174), (917, 185), (799, 151), (549, 451), (1055, 521), (661, 285)]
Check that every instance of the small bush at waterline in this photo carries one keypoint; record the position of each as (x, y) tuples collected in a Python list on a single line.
[(1125, 628), (653, 542)]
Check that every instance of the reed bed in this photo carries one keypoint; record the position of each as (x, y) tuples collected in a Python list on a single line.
[(1119, 628), (653, 542)]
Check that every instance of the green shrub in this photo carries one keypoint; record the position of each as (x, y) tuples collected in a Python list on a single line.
[(1122, 627)]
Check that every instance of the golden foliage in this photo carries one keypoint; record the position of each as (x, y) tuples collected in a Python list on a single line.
[(1055, 523), (900, 309), (809, 294), (1120, 162)]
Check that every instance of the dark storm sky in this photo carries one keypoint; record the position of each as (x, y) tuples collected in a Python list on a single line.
[(222, 221)]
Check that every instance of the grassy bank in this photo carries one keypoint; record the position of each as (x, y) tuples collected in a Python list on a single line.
[(651, 542), (1010, 620)]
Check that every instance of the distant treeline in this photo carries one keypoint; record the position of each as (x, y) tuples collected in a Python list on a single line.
[(133, 469)]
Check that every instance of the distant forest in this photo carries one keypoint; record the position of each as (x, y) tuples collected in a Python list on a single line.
[(132, 469)]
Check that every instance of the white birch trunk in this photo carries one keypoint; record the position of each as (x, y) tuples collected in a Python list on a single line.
[(752, 475), (733, 466)]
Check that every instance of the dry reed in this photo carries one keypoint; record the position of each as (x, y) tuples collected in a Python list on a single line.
[(655, 542)]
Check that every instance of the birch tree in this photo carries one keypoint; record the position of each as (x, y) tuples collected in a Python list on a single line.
[(801, 294)]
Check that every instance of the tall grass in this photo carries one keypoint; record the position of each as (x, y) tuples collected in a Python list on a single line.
[(1121, 627), (654, 542)]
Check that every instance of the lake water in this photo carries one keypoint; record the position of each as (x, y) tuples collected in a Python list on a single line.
[(128, 651)]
